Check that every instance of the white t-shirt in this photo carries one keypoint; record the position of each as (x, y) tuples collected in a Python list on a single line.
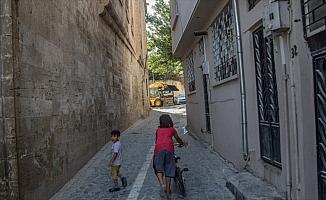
[(117, 148)]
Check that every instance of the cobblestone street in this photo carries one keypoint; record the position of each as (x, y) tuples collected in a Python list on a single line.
[(205, 180)]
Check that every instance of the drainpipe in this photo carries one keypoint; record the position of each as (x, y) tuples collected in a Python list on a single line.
[(286, 121), (288, 166), (294, 114), (204, 35), (244, 124), (296, 154), (209, 94)]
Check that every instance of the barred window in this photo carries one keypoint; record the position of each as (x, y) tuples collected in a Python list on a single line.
[(224, 46), (189, 63), (314, 16), (201, 47), (252, 3)]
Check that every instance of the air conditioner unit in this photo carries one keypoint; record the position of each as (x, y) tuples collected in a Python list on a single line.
[(276, 17)]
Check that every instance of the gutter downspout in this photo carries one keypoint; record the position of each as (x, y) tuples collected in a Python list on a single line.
[(296, 185), (244, 123), (286, 121), (209, 93), (292, 186), (287, 80)]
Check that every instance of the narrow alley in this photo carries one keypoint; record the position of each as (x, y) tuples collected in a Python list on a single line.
[(205, 179), (243, 80)]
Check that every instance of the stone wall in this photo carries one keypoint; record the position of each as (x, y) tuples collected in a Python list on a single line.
[(80, 73), (8, 64)]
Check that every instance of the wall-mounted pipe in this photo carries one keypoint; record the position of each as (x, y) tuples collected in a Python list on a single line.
[(287, 119), (204, 34), (244, 123), (209, 93)]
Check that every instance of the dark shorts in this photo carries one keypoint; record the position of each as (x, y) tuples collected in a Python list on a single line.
[(164, 163)]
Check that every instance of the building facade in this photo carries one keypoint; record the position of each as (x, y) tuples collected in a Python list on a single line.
[(255, 72), (71, 71)]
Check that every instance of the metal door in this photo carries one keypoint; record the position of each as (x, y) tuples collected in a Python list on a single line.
[(267, 99), (320, 98)]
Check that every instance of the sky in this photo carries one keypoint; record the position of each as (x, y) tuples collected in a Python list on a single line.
[(151, 3), (149, 7)]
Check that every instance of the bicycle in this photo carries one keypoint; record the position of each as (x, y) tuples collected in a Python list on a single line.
[(179, 179)]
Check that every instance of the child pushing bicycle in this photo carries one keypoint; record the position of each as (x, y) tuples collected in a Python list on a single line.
[(164, 161)]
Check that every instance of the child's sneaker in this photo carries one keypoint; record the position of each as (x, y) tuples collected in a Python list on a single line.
[(124, 181), (115, 189)]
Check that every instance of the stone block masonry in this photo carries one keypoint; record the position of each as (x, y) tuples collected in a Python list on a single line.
[(71, 71), (8, 136)]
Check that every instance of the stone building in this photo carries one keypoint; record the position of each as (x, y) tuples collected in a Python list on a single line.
[(256, 74), (71, 71)]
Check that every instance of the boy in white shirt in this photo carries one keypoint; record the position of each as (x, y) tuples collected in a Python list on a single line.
[(116, 161)]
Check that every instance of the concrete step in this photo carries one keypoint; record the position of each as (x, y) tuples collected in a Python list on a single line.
[(246, 186)]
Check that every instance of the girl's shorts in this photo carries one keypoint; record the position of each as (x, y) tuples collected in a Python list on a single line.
[(164, 163)]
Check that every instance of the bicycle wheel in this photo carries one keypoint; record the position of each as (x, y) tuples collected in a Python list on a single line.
[(180, 183)]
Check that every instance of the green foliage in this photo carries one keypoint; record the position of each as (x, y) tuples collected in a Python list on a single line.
[(162, 63)]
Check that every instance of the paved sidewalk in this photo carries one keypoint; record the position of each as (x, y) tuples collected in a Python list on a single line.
[(205, 180)]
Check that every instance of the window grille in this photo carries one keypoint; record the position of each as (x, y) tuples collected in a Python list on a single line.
[(189, 63), (314, 16), (267, 99), (252, 3), (224, 46), (320, 99), (201, 47)]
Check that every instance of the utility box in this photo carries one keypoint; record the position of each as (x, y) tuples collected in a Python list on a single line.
[(205, 67), (276, 17)]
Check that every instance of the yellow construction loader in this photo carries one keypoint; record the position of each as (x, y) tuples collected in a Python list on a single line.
[(161, 94)]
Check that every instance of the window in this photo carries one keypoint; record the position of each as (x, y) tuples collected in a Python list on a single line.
[(252, 3), (267, 99), (201, 47), (224, 46), (320, 99), (314, 16), (189, 63)]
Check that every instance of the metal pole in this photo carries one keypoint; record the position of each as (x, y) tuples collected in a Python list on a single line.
[(244, 125), (209, 93), (286, 121)]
